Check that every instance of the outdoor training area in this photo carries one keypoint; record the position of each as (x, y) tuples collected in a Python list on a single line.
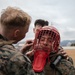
[(71, 52)]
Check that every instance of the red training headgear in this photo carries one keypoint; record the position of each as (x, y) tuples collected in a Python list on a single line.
[(51, 31)]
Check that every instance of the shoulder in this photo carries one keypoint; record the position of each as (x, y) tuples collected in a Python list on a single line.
[(15, 62), (65, 67), (20, 64)]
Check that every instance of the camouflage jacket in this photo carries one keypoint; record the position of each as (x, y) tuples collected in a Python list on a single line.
[(13, 62), (63, 67)]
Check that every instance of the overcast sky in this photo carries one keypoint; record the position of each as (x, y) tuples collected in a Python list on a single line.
[(61, 13)]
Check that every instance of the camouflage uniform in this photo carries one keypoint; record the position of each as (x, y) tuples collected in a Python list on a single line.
[(13, 62), (63, 67)]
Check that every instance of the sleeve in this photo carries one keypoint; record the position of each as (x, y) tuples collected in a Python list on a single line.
[(70, 59), (19, 65), (65, 67)]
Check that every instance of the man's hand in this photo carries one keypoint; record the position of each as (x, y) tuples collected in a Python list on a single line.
[(30, 53), (62, 52), (27, 46)]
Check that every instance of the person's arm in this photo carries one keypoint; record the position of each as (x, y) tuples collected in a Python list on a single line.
[(65, 67), (19, 64), (62, 65)]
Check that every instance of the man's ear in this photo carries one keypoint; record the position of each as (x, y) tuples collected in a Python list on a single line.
[(17, 33)]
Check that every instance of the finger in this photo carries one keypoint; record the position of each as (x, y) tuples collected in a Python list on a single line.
[(28, 41), (61, 50)]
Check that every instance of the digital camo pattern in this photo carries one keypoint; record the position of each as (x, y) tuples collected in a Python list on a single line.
[(12, 62), (64, 67)]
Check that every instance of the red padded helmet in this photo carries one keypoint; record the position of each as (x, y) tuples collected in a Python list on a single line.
[(51, 31)]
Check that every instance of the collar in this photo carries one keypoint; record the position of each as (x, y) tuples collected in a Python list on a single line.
[(4, 41)]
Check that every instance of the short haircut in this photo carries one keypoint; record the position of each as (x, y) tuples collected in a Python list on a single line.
[(14, 17), (41, 22)]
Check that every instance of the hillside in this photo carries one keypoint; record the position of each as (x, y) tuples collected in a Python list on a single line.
[(67, 42)]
